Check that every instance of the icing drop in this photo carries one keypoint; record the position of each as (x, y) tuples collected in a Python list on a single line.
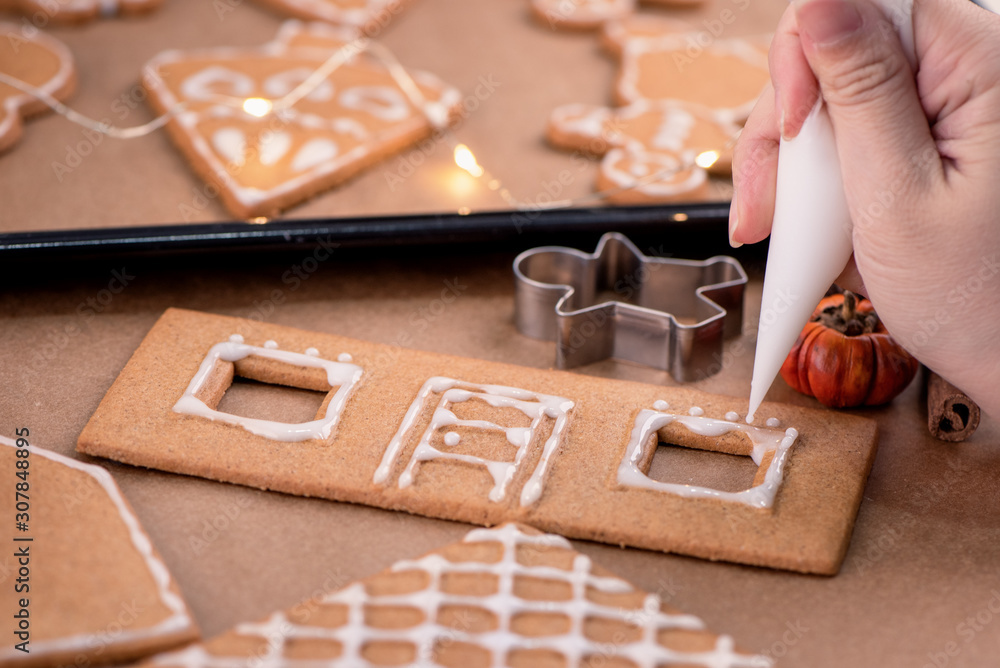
[(648, 422), (661, 405), (344, 357), (773, 422), (732, 416), (537, 407), (452, 438), (236, 338), (314, 152), (342, 376), (312, 352), (382, 102), (231, 144), (696, 411), (273, 147)]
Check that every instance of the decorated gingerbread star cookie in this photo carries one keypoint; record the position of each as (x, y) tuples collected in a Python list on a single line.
[(40, 61), (264, 161), (647, 138)]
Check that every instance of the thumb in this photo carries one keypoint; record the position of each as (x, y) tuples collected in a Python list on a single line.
[(864, 76)]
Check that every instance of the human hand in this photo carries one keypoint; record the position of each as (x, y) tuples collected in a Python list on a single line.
[(920, 157)]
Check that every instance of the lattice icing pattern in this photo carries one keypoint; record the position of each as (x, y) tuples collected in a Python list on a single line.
[(535, 406), (470, 604)]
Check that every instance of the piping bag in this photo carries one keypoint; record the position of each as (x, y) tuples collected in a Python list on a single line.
[(811, 232)]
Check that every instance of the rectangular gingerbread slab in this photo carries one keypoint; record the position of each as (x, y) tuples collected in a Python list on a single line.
[(484, 443)]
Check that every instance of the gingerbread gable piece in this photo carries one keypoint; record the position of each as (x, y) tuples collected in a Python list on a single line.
[(484, 443)]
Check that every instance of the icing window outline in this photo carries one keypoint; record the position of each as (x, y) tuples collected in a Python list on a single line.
[(342, 375), (535, 405), (770, 451)]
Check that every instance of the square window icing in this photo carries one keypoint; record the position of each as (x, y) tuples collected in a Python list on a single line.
[(767, 447), (269, 364)]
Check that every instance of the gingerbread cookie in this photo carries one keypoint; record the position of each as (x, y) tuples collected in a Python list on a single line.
[(355, 117), (509, 596), (76, 11), (90, 586), (40, 61), (485, 443), (648, 138), (591, 14), (369, 16), (725, 75)]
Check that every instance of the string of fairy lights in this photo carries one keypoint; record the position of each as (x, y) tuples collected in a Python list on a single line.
[(435, 113)]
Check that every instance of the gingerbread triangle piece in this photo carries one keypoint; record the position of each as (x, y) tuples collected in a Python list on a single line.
[(37, 60), (509, 596), (264, 163), (83, 583)]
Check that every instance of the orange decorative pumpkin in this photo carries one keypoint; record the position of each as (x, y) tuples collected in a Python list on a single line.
[(845, 357)]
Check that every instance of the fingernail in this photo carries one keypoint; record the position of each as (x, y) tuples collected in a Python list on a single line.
[(827, 22), (734, 222)]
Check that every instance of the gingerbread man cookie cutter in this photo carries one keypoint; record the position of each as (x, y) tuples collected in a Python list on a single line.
[(666, 313)]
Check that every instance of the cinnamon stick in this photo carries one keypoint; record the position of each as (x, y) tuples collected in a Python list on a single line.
[(951, 414)]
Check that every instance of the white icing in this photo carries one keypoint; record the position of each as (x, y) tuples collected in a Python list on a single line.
[(312, 352), (452, 438), (216, 80), (618, 164), (344, 357), (773, 422), (273, 146), (236, 338), (382, 102), (281, 84), (178, 620), (231, 144), (536, 406), (696, 411), (314, 152), (581, 119), (675, 128), (661, 405), (732, 416), (342, 376), (504, 605), (643, 438), (341, 13)]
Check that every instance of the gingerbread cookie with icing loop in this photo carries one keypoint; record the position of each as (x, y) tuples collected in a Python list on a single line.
[(265, 162), (94, 589), (40, 61), (646, 138), (509, 596)]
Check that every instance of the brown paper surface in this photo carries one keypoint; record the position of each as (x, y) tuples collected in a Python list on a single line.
[(512, 70), (919, 585)]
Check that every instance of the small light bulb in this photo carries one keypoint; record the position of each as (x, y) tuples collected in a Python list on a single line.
[(257, 106), (707, 159), (467, 161)]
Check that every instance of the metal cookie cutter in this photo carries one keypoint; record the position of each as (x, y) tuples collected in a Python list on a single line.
[(616, 302)]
